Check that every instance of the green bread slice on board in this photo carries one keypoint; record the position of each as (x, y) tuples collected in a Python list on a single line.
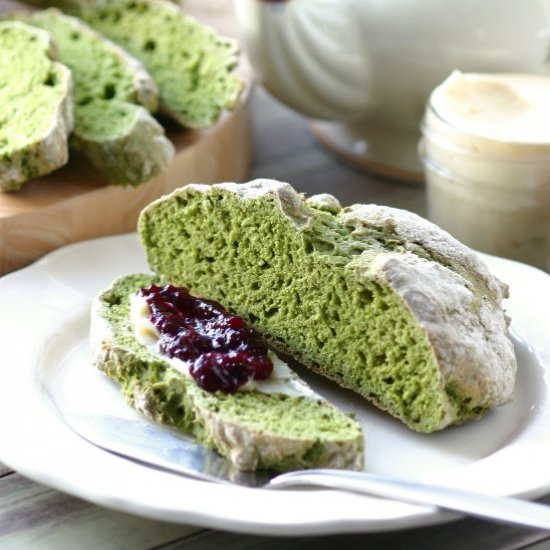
[(113, 95), (36, 105), (191, 63)]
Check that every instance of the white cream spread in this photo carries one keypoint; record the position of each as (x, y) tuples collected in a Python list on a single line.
[(486, 153), (504, 107), (144, 330), (282, 379)]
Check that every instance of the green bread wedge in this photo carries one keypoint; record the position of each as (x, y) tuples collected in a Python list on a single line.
[(377, 299), (283, 430)]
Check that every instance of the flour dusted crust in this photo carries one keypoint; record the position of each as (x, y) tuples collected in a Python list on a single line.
[(444, 284), (457, 302), (49, 151), (132, 157), (249, 449), (290, 202)]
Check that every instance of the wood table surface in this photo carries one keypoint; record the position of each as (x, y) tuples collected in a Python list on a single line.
[(35, 516)]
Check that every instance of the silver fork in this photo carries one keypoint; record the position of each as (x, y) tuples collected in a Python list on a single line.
[(169, 450)]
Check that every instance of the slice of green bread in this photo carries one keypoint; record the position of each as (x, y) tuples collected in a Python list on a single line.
[(112, 95), (252, 428), (377, 299), (191, 63), (36, 106)]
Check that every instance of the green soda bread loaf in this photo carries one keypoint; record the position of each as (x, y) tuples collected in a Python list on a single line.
[(112, 95), (192, 65), (36, 106), (283, 431), (375, 298)]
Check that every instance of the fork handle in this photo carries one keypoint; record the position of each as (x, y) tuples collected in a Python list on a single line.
[(499, 508)]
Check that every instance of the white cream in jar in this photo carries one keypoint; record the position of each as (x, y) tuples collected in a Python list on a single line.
[(486, 154)]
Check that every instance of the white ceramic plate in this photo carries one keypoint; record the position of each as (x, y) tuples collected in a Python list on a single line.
[(45, 372)]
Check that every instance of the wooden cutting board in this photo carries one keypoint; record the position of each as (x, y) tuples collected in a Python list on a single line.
[(73, 204)]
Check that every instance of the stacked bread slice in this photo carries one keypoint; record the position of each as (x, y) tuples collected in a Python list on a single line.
[(191, 64), (114, 94), (36, 100), (112, 98)]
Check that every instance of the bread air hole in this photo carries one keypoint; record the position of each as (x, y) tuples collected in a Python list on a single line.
[(140, 7), (271, 312), (253, 318), (365, 296), (109, 91), (51, 80), (308, 246)]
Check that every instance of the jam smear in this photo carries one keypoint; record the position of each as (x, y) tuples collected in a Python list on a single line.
[(223, 353)]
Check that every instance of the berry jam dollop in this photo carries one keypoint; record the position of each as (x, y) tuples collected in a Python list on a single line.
[(221, 351)]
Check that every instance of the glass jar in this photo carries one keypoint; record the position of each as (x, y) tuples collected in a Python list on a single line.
[(491, 194)]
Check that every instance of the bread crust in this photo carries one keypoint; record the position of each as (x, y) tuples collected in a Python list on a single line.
[(458, 303), (136, 156)]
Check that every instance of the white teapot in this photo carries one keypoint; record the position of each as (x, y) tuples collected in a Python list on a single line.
[(366, 67)]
